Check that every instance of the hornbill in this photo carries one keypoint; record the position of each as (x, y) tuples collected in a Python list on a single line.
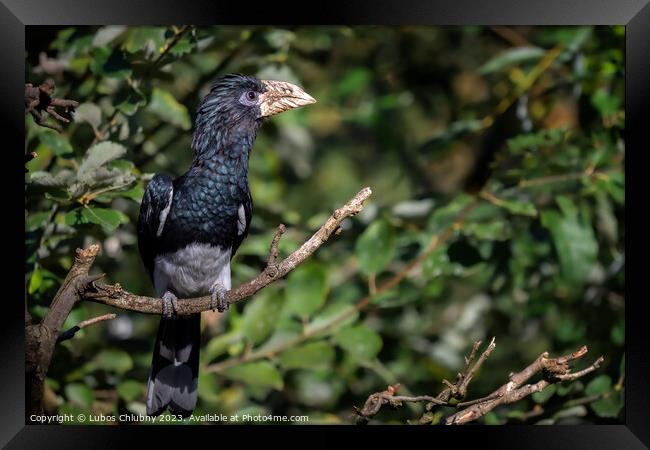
[(189, 228)]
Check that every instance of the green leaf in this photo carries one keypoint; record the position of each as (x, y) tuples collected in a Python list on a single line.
[(256, 374), (47, 180), (605, 103), (360, 342), (334, 310), (97, 156), (35, 280), (90, 113), (183, 46), (313, 355), (167, 108), (110, 62), (543, 138), (573, 239), (611, 403), (512, 57), (376, 246), (55, 142), (519, 207), (599, 385), (260, 317), (36, 220), (219, 344), (79, 394), (542, 396), (208, 388), (112, 360), (148, 39), (130, 390), (306, 290), (109, 219)]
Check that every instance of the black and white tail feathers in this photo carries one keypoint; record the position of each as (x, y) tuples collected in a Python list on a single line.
[(174, 373)]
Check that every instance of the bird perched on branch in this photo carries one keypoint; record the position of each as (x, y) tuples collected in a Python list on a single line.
[(190, 227)]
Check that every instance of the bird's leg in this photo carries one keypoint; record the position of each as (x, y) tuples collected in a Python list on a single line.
[(169, 305), (219, 297)]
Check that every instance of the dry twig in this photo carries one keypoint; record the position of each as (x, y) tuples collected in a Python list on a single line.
[(553, 370)]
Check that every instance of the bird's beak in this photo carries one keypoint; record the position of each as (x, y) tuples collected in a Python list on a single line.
[(281, 96)]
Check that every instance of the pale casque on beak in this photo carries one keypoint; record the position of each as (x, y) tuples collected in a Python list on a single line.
[(281, 96)]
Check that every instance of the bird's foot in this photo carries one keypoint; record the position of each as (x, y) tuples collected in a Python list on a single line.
[(169, 305), (219, 297)]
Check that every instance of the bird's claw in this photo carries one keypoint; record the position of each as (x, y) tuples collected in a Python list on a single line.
[(218, 301), (169, 305)]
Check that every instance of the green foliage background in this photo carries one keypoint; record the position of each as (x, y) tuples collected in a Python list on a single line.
[(419, 114)]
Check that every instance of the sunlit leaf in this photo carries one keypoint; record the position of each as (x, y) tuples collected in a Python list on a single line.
[(375, 247), (360, 342), (256, 374)]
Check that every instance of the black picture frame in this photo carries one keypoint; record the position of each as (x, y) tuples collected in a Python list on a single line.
[(635, 14)]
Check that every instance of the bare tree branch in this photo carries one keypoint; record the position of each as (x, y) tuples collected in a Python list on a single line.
[(40, 339), (553, 370), (69, 334), (114, 295), (39, 99)]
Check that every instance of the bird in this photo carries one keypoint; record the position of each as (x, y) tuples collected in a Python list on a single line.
[(190, 227)]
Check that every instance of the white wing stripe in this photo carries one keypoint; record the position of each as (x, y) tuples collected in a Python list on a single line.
[(241, 222), (165, 212)]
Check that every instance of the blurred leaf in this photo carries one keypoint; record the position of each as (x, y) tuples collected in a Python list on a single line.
[(543, 396), (256, 374), (109, 219), (317, 389), (313, 355), (112, 360), (149, 39), (130, 390), (90, 113), (260, 317), (109, 62), (307, 288), (375, 248), (512, 57), (605, 103), (542, 138), (97, 156), (80, 394), (167, 108), (333, 310), (35, 280), (520, 207), (574, 241), (360, 342), (599, 385), (55, 142), (611, 403)]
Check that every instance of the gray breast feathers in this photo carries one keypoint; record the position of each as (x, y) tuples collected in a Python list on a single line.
[(192, 270)]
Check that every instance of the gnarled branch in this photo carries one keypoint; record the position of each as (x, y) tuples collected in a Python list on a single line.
[(115, 295), (553, 370)]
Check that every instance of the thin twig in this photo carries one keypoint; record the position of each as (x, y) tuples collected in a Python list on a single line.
[(553, 370), (70, 333)]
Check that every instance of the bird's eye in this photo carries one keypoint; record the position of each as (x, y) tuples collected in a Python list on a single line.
[(249, 98)]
